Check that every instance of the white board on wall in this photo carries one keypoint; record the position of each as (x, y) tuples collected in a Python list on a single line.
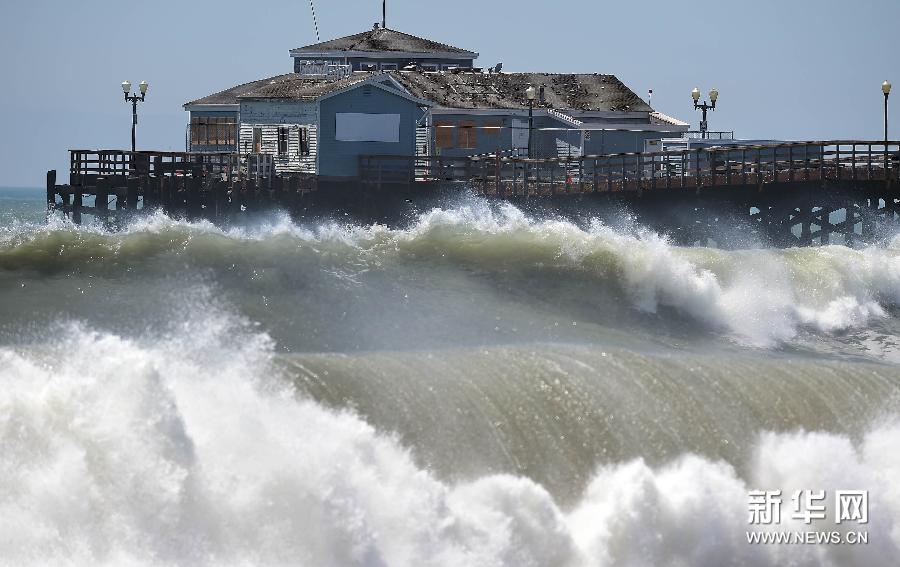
[(359, 127)]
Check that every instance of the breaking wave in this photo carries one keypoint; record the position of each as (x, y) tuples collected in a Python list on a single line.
[(192, 448), (478, 388), (757, 297)]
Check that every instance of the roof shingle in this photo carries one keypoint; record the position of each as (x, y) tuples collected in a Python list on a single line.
[(587, 92), (383, 39)]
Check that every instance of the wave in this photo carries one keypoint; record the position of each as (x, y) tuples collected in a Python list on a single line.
[(486, 255), (554, 412), (191, 448)]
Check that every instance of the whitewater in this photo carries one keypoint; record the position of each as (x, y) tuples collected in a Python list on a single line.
[(479, 387)]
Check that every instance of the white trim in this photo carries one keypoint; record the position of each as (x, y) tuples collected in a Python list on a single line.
[(374, 82), (667, 119), (632, 127), (639, 114), (397, 83), (380, 55), (579, 115), (212, 107), (486, 111)]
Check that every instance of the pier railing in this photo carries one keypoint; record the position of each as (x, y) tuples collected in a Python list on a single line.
[(86, 166), (727, 165)]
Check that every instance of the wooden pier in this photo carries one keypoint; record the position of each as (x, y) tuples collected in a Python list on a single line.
[(213, 186), (789, 194), (792, 193)]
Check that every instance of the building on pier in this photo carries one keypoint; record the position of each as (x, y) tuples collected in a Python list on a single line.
[(383, 92)]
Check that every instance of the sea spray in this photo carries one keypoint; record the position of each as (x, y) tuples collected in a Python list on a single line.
[(191, 449), (759, 297)]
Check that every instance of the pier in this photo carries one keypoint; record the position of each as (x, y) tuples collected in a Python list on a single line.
[(790, 193)]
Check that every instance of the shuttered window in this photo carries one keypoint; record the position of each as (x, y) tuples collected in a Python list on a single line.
[(257, 140), (468, 135), (443, 133), (213, 131), (304, 141), (284, 135)]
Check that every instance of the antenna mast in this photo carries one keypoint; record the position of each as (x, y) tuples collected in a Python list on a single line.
[(384, 14), (315, 21)]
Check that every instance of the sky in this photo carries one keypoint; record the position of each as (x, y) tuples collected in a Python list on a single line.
[(785, 69)]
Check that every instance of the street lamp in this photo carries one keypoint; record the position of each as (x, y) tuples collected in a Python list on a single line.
[(530, 94), (134, 99), (713, 96), (886, 89)]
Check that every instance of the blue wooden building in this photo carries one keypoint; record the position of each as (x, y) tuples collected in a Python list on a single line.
[(383, 92)]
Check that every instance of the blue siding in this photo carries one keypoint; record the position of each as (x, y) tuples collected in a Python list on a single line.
[(341, 159), (544, 144), (614, 142)]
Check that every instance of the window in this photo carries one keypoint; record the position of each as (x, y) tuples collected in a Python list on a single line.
[(388, 66), (257, 140), (430, 67), (213, 131), (284, 135), (468, 135), (304, 141), (443, 133), (492, 128)]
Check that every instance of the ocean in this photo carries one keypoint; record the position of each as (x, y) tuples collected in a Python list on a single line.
[(479, 387)]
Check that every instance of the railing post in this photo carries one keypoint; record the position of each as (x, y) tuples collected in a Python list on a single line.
[(728, 167), (759, 174), (581, 172), (837, 160), (697, 172), (497, 175), (743, 166), (791, 162), (869, 163), (640, 168), (101, 199), (51, 190)]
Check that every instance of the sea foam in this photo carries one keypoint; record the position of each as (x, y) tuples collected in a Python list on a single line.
[(188, 448)]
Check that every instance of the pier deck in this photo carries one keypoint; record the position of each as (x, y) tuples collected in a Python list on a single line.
[(794, 193)]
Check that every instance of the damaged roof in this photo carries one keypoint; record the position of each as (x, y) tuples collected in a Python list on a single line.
[(585, 92), (454, 90), (300, 87), (230, 96), (383, 39), (293, 86)]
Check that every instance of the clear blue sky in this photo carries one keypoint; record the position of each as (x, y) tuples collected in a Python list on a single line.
[(792, 69)]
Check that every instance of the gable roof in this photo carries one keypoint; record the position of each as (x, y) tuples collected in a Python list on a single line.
[(384, 40), (299, 87), (230, 96), (588, 92)]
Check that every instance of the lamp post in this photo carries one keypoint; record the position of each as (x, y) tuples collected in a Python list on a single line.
[(134, 99), (886, 89), (713, 96), (530, 94)]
